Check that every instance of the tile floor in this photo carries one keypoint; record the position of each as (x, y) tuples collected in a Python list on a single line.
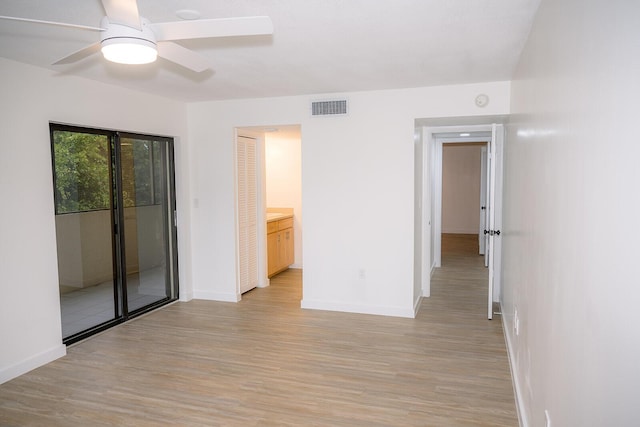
[(88, 307)]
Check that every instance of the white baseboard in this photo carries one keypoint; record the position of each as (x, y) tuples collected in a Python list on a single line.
[(32, 362), (358, 308), (185, 296), (426, 289), (416, 306), (216, 296), (517, 390)]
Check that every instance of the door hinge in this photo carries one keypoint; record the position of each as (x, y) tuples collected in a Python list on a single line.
[(492, 232)]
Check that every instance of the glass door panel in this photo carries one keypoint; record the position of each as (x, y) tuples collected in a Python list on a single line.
[(148, 213), (83, 204)]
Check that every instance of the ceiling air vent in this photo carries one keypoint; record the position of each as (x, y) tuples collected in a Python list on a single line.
[(329, 108)]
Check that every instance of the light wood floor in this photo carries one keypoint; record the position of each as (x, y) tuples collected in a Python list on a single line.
[(266, 362)]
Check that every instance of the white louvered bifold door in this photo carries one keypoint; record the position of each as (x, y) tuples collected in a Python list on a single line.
[(247, 213)]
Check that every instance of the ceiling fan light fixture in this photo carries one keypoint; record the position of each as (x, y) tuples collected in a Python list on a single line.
[(127, 45), (128, 50), (128, 38)]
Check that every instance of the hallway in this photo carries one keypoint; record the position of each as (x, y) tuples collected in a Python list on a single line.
[(461, 283)]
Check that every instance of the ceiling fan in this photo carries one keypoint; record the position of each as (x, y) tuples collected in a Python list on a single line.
[(128, 38)]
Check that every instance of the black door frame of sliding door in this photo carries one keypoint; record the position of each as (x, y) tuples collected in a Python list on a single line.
[(155, 154)]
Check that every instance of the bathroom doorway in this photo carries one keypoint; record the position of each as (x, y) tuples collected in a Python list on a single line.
[(278, 201)]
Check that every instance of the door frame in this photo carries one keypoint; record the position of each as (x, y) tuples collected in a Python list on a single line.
[(432, 190), (118, 231), (439, 142), (259, 133)]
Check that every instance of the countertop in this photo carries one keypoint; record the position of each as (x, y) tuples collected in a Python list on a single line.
[(276, 216)]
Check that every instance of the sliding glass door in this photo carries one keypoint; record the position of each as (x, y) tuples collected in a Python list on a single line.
[(147, 211), (84, 228), (115, 225)]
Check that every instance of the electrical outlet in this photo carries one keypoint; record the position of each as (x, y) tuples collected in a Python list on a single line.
[(547, 418), (361, 273)]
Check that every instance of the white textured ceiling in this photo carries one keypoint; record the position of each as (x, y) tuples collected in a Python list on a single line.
[(318, 46)]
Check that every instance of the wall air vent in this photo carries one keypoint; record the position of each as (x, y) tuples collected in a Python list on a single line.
[(329, 108)]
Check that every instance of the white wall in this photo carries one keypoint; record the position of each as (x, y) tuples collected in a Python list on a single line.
[(84, 245), (283, 176), (84, 248), (30, 329), (570, 216), (460, 188), (357, 191)]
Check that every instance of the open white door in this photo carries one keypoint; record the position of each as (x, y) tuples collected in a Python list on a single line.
[(482, 237), (487, 203), (494, 209)]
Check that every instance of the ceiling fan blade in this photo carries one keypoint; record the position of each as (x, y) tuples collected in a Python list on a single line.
[(205, 28), (182, 56), (79, 54), (60, 24), (124, 12)]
